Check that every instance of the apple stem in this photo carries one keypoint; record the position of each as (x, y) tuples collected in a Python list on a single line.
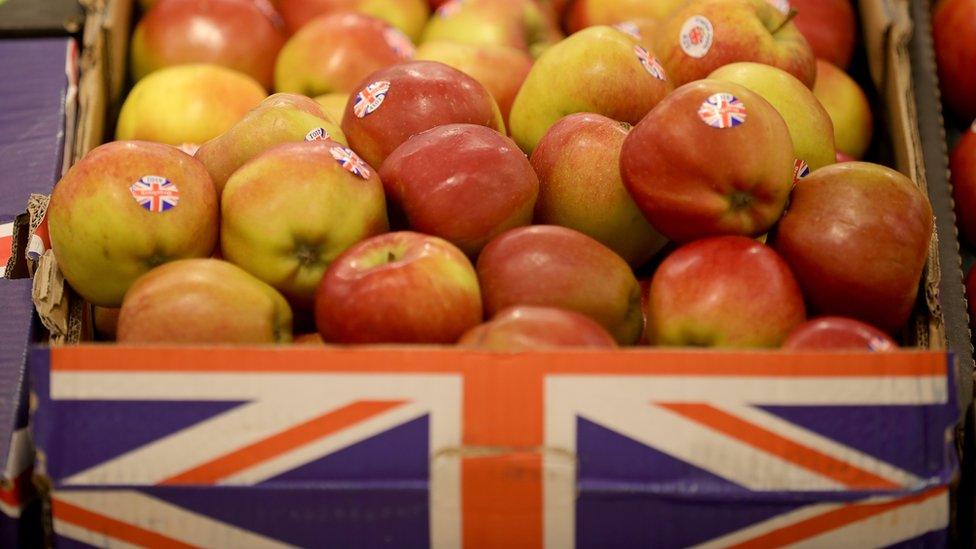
[(789, 17)]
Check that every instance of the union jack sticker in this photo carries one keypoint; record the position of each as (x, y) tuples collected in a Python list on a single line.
[(350, 161), (399, 43), (449, 8), (155, 193), (318, 134), (370, 98), (800, 170), (722, 110), (630, 28), (696, 36), (878, 344), (650, 63)]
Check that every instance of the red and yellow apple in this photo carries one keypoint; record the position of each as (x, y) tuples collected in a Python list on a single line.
[(409, 16), (524, 24), (837, 332), (333, 104), (527, 328), (954, 37), (962, 166), (588, 13), (830, 26), (848, 108)]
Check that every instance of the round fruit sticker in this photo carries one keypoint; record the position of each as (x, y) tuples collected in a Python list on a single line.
[(696, 36), (399, 43), (800, 170), (318, 134), (449, 8), (650, 63), (155, 193), (877, 344), (781, 5), (629, 27), (350, 161), (370, 98), (722, 110)]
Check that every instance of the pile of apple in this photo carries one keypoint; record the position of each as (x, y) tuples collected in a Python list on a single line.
[(667, 173)]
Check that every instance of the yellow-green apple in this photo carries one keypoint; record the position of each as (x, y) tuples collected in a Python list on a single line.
[(527, 328), (580, 186), (837, 332), (125, 208), (233, 33), (962, 166), (501, 69), (409, 16), (857, 236), (599, 70), (954, 36), (281, 118), (643, 30), (703, 35), (588, 13), (724, 291), (830, 27), (333, 52), (401, 287), (848, 108), (461, 182), (187, 104), (523, 24), (810, 127), (203, 301), (393, 104), (553, 266), (713, 158), (106, 320), (290, 211), (333, 104)]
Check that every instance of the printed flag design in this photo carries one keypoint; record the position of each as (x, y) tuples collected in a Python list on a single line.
[(650, 63), (399, 43), (629, 28), (800, 170), (155, 193), (722, 110), (318, 134), (350, 161), (370, 98)]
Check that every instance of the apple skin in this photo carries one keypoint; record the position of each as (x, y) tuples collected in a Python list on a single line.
[(409, 16), (580, 186), (106, 320), (333, 105), (830, 26), (848, 107), (810, 127), (332, 53), (641, 29), (422, 95), (962, 166), (524, 24), (595, 70), (857, 236), (501, 69), (103, 239), (740, 31), (588, 13), (401, 287), (552, 266), (203, 301), (529, 328), (290, 211), (232, 33), (737, 184), (726, 291), (837, 332), (281, 118), (953, 34), (187, 104), (461, 182)]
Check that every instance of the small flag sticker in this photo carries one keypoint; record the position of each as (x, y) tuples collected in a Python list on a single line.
[(370, 98), (399, 43), (318, 134), (350, 161), (696, 36), (650, 63), (722, 110), (629, 28), (155, 194), (800, 170)]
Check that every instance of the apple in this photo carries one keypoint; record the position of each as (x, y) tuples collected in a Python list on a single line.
[(726, 291), (713, 158), (232, 33), (461, 182), (810, 127), (553, 266), (954, 37), (203, 301), (580, 186), (837, 332), (830, 26), (703, 35), (409, 16), (962, 166), (106, 320), (599, 70), (848, 108), (588, 13), (393, 104), (187, 104), (523, 24), (333, 104), (332, 53), (529, 328), (501, 69), (400, 287), (281, 118), (290, 211), (857, 236), (125, 208)]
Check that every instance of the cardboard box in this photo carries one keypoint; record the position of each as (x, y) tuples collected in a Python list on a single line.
[(408, 447), (34, 18)]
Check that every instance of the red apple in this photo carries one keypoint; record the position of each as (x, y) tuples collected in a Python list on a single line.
[(857, 236), (554, 266), (233, 33), (393, 104), (399, 287), (830, 26), (727, 291), (954, 35), (461, 182), (407, 15), (713, 158), (527, 328), (837, 332), (962, 166)]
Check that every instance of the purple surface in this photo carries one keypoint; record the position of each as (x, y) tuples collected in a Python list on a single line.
[(16, 325)]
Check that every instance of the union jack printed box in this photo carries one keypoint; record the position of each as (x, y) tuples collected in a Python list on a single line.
[(225, 447)]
